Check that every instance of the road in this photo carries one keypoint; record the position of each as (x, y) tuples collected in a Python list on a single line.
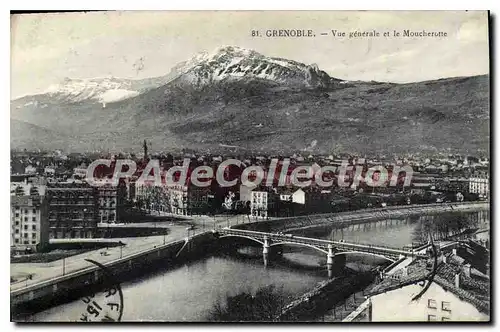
[(177, 231)]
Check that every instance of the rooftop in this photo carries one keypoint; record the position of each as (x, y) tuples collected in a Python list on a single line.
[(474, 286)]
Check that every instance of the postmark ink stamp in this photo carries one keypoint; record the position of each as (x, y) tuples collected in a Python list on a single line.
[(106, 305)]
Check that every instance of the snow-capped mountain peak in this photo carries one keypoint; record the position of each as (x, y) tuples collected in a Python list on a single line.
[(224, 63), (102, 90), (231, 62)]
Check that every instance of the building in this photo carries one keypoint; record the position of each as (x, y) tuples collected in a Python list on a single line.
[(299, 196), (49, 171), (455, 185), (286, 196), (73, 210), (422, 182), (30, 169), (198, 200), (111, 203), (149, 197), (246, 192), (291, 194), (458, 292), (80, 172), (29, 223), (178, 199), (263, 203), (27, 188), (479, 185), (188, 199)]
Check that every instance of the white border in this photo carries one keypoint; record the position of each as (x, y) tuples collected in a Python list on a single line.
[(198, 5)]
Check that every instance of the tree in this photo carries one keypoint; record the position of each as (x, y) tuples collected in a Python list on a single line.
[(265, 305)]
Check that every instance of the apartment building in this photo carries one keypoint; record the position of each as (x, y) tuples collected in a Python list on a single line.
[(29, 223), (263, 203), (480, 185), (111, 200), (73, 209), (188, 199)]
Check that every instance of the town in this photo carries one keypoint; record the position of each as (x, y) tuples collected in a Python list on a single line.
[(51, 199), (218, 166), (53, 208)]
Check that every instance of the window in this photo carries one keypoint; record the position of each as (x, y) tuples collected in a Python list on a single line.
[(26, 235), (445, 319), (17, 223), (17, 214), (17, 231), (25, 210), (26, 242), (34, 210), (431, 304), (33, 219), (33, 227), (25, 218), (25, 227), (33, 235), (33, 242), (445, 306), (16, 240), (431, 318)]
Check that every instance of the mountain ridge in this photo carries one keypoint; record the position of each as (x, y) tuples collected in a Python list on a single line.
[(237, 97)]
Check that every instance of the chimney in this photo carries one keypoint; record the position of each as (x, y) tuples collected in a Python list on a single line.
[(444, 258), (404, 271), (457, 280), (454, 251)]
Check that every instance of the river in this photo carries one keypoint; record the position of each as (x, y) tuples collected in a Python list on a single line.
[(188, 292)]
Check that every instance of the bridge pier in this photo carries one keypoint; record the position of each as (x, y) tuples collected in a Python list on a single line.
[(329, 261), (265, 251)]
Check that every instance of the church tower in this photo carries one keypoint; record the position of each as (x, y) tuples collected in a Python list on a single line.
[(145, 146)]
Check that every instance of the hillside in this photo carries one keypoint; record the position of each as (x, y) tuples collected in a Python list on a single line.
[(240, 98)]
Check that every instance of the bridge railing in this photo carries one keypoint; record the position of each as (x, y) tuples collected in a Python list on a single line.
[(323, 243)]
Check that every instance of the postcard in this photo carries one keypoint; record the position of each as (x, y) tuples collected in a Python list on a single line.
[(250, 166)]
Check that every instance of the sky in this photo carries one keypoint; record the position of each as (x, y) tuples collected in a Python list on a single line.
[(46, 48)]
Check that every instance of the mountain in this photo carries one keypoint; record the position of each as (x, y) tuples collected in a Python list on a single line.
[(28, 136), (95, 90), (243, 99), (234, 63)]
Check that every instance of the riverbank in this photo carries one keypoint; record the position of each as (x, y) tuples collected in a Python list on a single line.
[(181, 289), (71, 286), (360, 216), (325, 296)]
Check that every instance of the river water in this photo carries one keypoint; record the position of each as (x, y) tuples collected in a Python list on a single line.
[(188, 292)]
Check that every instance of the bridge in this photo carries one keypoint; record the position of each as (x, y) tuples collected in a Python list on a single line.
[(328, 247)]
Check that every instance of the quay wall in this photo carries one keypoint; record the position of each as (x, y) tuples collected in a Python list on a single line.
[(76, 284), (324, 296)]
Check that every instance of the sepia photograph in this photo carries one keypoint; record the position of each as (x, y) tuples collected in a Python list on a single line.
[(250, 166)]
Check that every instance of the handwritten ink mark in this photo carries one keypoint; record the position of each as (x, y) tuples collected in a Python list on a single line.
[(431, 275)]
